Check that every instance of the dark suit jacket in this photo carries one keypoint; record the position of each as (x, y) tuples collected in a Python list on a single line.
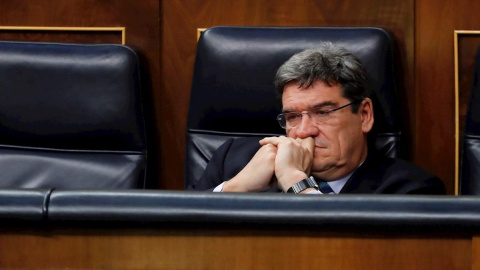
[(376, 175)]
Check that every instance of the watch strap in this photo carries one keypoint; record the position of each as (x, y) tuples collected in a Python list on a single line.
[(302, 185)]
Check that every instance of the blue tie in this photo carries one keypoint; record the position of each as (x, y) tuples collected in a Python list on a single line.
[(324, 187)]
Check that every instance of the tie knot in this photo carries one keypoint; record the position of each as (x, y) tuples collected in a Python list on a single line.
[(324, 187)]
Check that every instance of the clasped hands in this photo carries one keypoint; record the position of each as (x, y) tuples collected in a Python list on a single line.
[(281, 161)]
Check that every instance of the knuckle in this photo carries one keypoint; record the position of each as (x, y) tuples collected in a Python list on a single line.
[(270, 148)]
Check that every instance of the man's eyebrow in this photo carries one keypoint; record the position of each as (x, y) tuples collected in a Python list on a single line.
[(324, 104)]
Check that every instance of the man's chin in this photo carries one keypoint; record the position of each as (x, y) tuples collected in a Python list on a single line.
[(321, 169)]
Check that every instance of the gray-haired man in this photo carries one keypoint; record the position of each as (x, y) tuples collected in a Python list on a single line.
[(327, 114)]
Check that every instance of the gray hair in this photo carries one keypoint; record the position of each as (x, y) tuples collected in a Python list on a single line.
[(329, 63)]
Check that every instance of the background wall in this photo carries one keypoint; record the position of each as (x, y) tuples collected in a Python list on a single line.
[(435, 81), (164, 34)]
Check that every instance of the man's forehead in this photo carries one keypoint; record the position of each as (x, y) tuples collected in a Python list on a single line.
[(319, 87), (317, 95)]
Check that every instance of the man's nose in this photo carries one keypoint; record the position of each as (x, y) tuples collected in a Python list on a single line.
[(307, 127)]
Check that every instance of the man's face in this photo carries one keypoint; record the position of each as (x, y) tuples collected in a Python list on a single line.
[(341, 140)]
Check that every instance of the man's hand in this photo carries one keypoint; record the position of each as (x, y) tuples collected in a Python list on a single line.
[(294, 159), (257, 174)]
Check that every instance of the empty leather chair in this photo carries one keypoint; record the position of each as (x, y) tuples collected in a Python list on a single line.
[(470, 164), (233, 94), (70, 117)]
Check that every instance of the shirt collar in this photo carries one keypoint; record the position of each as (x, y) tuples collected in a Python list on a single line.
[(338, 184)]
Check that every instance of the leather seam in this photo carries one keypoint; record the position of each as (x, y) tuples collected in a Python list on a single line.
[(46, 204), (15, 147), (231, 134), (471, 136)]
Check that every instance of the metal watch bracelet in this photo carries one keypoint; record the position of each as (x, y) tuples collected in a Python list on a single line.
[(302, 185)]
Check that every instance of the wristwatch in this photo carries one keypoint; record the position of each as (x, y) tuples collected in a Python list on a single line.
[(302, 185)]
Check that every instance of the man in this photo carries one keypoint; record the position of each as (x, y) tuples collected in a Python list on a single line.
[(327, 114)]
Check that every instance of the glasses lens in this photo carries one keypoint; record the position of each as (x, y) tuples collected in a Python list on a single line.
[(320, 115), (281, 120), (292, 119)]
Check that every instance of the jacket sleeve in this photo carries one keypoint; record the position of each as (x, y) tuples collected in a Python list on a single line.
[(213, 174), (227, 161), (427, 186)]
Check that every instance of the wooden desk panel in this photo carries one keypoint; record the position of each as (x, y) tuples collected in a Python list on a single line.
[(476, 252), (231, 249)]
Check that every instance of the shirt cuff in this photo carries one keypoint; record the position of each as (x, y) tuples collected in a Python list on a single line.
[(313, 192), (219, 188)]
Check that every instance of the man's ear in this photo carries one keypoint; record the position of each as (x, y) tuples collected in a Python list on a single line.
[(366, 113)]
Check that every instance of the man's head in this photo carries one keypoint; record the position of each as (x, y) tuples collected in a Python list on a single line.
[(330, 64), (325, 82)]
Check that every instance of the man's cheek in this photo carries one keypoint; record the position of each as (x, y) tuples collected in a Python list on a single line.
[(321, 153)]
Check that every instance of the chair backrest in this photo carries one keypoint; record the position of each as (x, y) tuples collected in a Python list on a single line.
[(70, 117), (233, 94), (470, 164)]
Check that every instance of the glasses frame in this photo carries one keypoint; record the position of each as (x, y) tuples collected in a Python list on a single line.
[(309, 111)]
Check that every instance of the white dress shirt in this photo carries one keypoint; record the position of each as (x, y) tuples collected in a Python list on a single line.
[(336, 185)]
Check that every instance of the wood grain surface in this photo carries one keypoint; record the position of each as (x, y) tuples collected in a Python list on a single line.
[(230, 249), (435, 82)]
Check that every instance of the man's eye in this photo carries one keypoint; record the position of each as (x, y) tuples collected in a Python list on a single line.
[(321, 113), (291, 117)]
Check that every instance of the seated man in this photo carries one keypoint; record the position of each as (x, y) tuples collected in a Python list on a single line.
[(327, 114)]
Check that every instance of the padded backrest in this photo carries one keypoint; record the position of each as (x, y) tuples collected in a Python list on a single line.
[(70, 116), (470, 165), (233, 94)]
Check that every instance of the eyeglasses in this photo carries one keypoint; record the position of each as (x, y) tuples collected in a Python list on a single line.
[(318, 115)]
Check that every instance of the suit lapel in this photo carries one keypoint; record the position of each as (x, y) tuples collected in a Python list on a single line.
[(366, 179)]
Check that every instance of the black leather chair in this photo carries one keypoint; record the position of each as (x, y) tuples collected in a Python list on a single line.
[(470, 164), (233, 94), (70, 117)]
